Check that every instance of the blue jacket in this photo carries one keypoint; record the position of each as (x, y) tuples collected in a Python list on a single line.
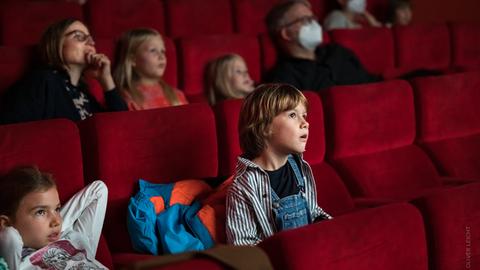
[(163, 219)]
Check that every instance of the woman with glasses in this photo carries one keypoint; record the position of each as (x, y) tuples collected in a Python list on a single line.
[(58, 90)]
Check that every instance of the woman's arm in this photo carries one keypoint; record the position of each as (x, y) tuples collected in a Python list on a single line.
[(84, 213)]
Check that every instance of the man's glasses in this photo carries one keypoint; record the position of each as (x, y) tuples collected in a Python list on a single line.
[(303, 20), (80, 36)]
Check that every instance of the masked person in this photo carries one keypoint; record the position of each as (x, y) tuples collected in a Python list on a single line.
[(302, 59), (353, 14)]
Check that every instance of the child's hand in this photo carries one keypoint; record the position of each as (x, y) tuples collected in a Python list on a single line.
[(99, 67)]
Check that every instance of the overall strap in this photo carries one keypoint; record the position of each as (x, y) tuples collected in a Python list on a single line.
[(298, 174)]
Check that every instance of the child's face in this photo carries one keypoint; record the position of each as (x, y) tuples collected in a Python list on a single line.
[(403, 16), (240, 79), (77, 44), (150, 61), (288, 131), (38, 218)]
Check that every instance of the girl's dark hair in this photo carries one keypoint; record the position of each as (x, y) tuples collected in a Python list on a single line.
[(393, 5), (17, 183), (51, 43)]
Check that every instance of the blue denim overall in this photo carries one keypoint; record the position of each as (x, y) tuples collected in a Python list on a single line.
[(291, 211)]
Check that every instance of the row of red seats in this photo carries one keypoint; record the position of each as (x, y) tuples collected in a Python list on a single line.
[(389, 52), (176, 18), (378, 144)]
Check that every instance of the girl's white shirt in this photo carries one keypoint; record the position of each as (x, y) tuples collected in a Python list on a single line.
[(83, 217)]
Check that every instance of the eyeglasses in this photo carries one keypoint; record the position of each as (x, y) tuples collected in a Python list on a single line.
[(80, 36), (303, 20)]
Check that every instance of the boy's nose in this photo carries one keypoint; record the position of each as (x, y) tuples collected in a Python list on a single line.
[(305, 124)]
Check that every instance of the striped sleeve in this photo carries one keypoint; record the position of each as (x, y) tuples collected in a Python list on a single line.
[(241, 227)]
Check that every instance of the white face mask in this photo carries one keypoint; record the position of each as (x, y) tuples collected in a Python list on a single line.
[(310, 35), (357, 6)]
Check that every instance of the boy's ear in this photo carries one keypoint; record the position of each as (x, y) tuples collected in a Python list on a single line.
[(4, 222)]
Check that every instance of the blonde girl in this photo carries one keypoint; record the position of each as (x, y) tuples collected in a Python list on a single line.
[(227, 78), (141, 63)]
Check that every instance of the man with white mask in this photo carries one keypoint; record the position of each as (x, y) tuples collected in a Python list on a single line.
[(302, 60), (353, 14)]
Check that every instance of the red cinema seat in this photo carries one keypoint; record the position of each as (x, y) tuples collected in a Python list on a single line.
[(451, 218), (250, 15), (388, 237), (109, 18), (370, 132), (422, 46), (378, 8), (198, 17), (161, 146), (448, 127), (196, 52), (17, 30), (15, 62), (466, 45), (373, 46), (54, 146)]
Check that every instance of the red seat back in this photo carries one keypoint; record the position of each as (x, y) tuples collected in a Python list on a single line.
[(370, 133), (196, 52), (373, 46), (466, 45), (198, 17), (448, 126), (15, 62), (37, 143), (162, 146), (423, 46), (109, 18), (16, 30), (250, 15)]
